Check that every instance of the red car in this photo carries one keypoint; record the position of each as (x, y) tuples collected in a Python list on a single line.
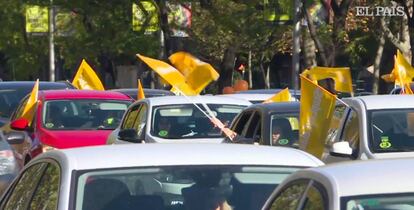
[(66, 119)]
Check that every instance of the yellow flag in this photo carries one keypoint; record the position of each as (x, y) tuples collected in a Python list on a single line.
[(316, 109), (86, 78), (282, 96), (169, 74), (30, 107), (407, 89), (141, 94), (341, 76), (198, 74), (402, 73)]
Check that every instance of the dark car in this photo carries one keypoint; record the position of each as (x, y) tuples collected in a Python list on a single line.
[(397, 90), (133, 92), (11, 93), (275, 124), (294, 93)]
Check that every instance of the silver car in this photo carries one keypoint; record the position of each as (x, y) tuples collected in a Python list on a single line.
[(154, 176), (354, 185)]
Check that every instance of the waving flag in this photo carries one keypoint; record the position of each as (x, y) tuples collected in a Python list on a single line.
[(341, 76), (402, 74), (316, 108), (282, 96), (198, 74), (86, 78), (169, 74), (30, 107)]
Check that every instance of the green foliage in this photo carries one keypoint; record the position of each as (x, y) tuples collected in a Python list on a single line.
[(102, 28)]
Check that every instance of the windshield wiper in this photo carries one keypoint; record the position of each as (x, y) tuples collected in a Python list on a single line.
[(192, 133)]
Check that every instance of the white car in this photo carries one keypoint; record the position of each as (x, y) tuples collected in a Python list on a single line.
[(357, 185), (175, 119), (371, 127), (154, 176)]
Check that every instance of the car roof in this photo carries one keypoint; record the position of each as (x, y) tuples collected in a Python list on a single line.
[(171, 100), (293, 106), (142, 155), (374, 102), (43, 85), (80, 94), (146, 91), (268, 91), (366, 176)]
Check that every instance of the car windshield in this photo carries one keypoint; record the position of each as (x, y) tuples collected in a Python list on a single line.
[(383, 202), (9, 100), (284, 129), (87, 114), (187, 121), (183, 187), (392, 130)]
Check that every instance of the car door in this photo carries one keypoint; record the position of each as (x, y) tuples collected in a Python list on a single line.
[(37, 187), (335, 132)]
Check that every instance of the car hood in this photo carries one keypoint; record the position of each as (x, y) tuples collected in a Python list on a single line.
[(74, 138)]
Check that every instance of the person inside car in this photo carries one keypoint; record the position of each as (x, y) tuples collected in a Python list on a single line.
[(208, 192), (281, 132), (54, 117)]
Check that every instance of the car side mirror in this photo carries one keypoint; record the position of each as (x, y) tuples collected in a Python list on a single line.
[(341, 149), (129, 135), (15, 137), (19, 124)]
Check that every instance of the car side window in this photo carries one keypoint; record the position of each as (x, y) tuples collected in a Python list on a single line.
[(140, 120), (335, 123), (242, 122), (316, 198), (130, 117), (19, 111), (351, 130), (253, 123), (21, 194), (289, 197), (47, 193)]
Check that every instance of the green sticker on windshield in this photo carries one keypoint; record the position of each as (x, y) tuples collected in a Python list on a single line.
[(385, 142), (49, 125), (163, 133), (283, 141)]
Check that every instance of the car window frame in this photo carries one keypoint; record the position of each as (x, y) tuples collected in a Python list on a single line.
[(355, 148), (127, 115), (143, 118), (7, 195), (239, 125), (17, 113), (322, 191), (273, 197), (253, 124)]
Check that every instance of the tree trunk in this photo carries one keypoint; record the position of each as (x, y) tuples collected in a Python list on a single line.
[(340, 11), (377, 64), (309, 51)]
